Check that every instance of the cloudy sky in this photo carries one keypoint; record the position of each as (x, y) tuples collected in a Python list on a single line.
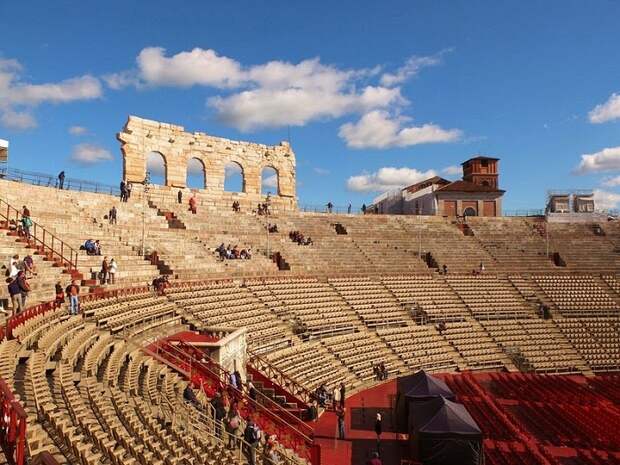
[(373, 95)]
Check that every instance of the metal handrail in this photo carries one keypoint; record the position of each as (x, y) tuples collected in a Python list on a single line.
[(39, 235), (275, 374), (174, 357), (13, 421), (223, 376), (47, 180)]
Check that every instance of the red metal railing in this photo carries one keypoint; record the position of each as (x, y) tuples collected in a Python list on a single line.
[(263, 366), (273, 419), (12, 426), (46, 242), (19, 319)]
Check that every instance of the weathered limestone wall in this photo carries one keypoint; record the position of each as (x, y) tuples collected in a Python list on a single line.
[(140, 137)]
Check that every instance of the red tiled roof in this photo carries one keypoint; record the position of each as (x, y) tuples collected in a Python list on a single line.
[(466, 186), (429, 181)]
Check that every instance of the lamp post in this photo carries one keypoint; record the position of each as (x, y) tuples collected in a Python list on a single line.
[(145, 183)]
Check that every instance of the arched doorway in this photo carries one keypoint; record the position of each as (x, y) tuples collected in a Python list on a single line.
[(270, 181), (196, 177), (234, 179), (157, 168), (469, 211)]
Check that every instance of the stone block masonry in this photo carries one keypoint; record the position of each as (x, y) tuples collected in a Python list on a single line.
[(140, 137)]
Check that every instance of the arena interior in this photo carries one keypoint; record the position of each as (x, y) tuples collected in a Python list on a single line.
[(516, 340)]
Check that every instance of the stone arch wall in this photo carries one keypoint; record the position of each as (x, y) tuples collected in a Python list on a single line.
[(141, 136)]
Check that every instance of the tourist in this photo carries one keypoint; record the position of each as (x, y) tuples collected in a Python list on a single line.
[(336, 397), (112, 271), (445, 269), (24, 287), (180, 197), (378, 426), (251, 436), (349, 208), (193, 202), (220, 413), (15, 293), (270, 451), (112, 215), (29, 265), (73, 291), (340, 412), (343, 392), (383, 371), (481, 268), (14, 266), (26, 222), (321, 395), (128, 188), (97, 247), (330, 207), (89, 246), (123, 188), (375, 460), (61, 180), (238, 378), (259, 209), (313, 411), (25, 211), (232, 379), (233, 423), (60, 294), (251, 391), (363, 208), (105, 267)]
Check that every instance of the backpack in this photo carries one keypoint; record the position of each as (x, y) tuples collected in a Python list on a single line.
[(234, 423), (250, 435)]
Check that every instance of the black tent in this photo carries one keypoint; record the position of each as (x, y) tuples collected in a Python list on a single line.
[(448, 435), (415, 389)]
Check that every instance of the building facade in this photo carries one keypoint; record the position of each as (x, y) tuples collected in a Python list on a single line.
[(476, 194)]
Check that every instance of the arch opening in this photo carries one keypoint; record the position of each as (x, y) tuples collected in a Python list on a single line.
[(469, 211), (234, 178), (270, 181), (196, 177), (157, 168)]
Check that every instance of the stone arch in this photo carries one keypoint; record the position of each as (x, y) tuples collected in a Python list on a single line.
[(196, 175), (234, 177), (270, 180), (157, 168), (470, 211)]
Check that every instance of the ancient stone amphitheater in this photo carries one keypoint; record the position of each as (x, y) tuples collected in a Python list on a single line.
[(102, 387)]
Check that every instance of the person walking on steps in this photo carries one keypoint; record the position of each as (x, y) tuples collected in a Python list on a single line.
[(73, 291), (180, 196), (340, 414)]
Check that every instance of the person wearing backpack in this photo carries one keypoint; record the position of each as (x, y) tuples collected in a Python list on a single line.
[(251, 436), (233, 423)]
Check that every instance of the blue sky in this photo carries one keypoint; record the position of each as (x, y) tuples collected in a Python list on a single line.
[(376, 94)]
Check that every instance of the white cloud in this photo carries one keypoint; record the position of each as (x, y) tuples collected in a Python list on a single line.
[(387, 178), (270, 181), (155, 164), (90, 154), (262, 108), (378, 130), (605, 200), (121, 80), (607, 159), (232, 169), (452, 170), (195, 166), (321, 171), (185, 69), (17, 95), (17, 120), (276, 93), (77, 130), (412, 67), (608, 111), (611, 181)]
